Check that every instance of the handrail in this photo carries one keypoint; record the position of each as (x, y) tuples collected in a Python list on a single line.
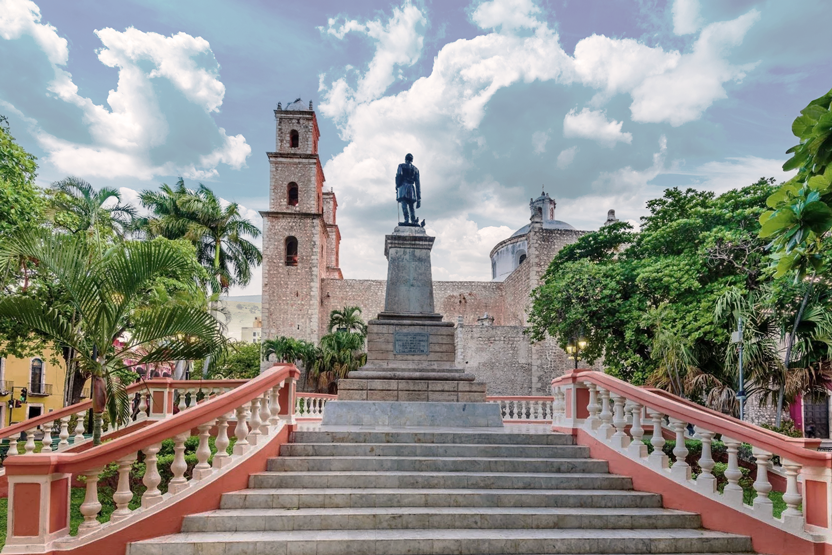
[(73, 463), (72, 410), (704, 417)]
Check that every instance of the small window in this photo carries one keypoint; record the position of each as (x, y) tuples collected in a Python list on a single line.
[(291, 251), (36, 376), (294, 139), (522, 258), (293, 194)]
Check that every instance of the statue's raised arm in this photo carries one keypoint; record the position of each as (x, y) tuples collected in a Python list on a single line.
[(408, 189)]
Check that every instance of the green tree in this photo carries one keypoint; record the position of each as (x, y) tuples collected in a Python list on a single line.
[(347, 319), (614, 283), (241, 361), (340, 353), (800, 218), (78, 208), (21, 203), (108, 294), (217, 232), (289, 349)]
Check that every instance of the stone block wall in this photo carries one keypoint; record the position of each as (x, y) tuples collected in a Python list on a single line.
[(500, 356), (470, 300), (368, 294), (305, 171)]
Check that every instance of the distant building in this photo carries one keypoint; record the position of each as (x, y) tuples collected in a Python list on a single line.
[(253, 334), (43, 381), (303, 283)]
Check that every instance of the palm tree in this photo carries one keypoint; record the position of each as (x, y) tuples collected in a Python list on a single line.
[(78, 208), (106, 293), (340, 353), (218, 232), (347, 319)]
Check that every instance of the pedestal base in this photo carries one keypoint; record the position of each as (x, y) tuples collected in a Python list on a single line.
[(420, 388), (412, 414)]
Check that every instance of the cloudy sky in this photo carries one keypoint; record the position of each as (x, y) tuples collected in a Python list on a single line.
[(603, 102)]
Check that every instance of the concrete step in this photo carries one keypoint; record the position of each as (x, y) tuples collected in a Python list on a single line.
[(435, 464), (439, 542), (442, 480), (253, 520), (294, 498), (432, 450), (478, 438)]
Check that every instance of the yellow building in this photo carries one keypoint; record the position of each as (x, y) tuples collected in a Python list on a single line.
[(44, 383)]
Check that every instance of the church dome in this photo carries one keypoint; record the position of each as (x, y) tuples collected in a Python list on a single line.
[(551, 224)]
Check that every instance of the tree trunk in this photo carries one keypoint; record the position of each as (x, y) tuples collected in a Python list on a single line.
[(97, 419), (787, 360)]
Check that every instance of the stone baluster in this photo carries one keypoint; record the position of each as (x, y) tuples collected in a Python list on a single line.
[(123, 495), (254, 421), (63, 435), (323, 406), (274, 406), (706, 482), (142, 414), (203, 451), (178, 466), (619, 440), (79, 428), (555, 404), (606, 429), (592, 407), (181, 406), (657, 458), (241, 432), (221, 457), (300, 403), (680, 468), (13, 439), (29, 446), (733, 491), (792, 498), (761, 485), (151, 479), (91, 506), (637, 448), (47, 438), (264, 414)]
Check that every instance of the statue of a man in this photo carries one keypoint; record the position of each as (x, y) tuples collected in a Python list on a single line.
[(408, 189)]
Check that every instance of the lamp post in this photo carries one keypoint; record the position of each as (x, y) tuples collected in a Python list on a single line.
[(574, 348), (736, 337)]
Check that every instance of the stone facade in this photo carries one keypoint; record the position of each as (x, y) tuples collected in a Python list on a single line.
[(298, 295)]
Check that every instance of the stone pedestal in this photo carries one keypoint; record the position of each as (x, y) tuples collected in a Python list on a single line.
[(410, 353)]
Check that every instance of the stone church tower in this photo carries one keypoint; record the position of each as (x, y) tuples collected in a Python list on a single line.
[(300, 235)]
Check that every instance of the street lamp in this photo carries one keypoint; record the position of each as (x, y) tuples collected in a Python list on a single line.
[(574, 348)]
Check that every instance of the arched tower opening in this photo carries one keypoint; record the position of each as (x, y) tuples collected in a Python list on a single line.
[(291, 251), (294, 138), (292, 194)]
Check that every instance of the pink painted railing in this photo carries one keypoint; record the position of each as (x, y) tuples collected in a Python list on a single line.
[(523, 410), (157, 399), (310, 406), (254, 412), (617, 413)]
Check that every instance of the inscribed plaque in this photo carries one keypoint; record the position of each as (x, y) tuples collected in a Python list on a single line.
[(411, 343)]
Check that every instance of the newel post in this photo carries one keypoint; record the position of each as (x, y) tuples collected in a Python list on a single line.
[(287, 401), (38, 511), (160, 398), (817, 496)]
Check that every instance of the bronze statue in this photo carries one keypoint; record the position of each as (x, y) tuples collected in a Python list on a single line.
[(408, 189)]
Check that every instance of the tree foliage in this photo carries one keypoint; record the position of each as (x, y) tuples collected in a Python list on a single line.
[(21, 203), (614, 285)]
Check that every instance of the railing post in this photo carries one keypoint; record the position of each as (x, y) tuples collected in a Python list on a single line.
[(47, 438), (817, 496), (178, 466), (619, 440), (680, 469), (221, 458), (761, 485), (792, 517), (606, 429), (160, 398), (91, 506), (64, 433), (203, 451), (706, 482), (38, 510), (123, 494), (287, 401), (637, 449), (657, 458)]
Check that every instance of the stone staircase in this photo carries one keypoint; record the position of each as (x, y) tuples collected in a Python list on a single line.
[(439, 493)]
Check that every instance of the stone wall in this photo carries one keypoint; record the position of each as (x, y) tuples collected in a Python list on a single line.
[(470, 300), (516, 293), (368, 294), (500, 356)]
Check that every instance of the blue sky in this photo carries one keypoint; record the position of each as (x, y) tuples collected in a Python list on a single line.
[(605, 102)]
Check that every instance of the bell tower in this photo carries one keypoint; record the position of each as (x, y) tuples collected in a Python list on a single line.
[(297, 247)]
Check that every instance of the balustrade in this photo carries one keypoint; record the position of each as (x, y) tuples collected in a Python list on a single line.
[(529, 409), (627, 418), (310, 406)]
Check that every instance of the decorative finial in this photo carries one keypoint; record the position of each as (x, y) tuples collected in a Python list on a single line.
[(310, 104), (279, 107)]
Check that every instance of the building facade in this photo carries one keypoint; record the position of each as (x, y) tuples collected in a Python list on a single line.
[(41, 376), (302, 281)]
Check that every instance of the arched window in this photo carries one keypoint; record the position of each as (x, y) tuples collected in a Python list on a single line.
[(293, 194), (521, 259), (291, 251), (36, 376), (294, 139)]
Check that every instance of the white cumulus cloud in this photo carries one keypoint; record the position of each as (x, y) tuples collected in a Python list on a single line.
[(508, 15), (593, 124), (686, 19), (539, 140), (129, 135), (566, 156)]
